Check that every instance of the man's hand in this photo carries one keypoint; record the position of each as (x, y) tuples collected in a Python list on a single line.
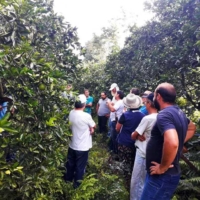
[(91, 130), (156, 169), (141, 138)]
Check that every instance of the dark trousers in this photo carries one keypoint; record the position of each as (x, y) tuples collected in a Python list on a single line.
[(114, 137), (102, 122), (76, 164)]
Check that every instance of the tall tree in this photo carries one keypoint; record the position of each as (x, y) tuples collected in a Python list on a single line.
[(37, 60)]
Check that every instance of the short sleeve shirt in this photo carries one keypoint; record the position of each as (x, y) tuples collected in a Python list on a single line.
[(144, 110), (129, 120), (171, 117), (89, 109), (119, 107), (80, 125), (144, 128), (103, 108)]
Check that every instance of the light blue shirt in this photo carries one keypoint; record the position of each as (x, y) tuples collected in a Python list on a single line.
[(4, 109)]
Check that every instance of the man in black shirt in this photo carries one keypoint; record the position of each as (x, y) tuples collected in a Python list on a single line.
[(171, 131)]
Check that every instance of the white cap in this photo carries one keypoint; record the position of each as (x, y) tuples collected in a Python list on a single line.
[(82, 98), (114, 85)]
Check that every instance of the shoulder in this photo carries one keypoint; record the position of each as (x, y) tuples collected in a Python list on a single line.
[(120, 102), (151, 116), (90, 97), (168, 112)]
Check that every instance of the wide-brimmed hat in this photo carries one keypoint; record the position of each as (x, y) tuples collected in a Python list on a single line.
[(132, 101), (114, 85)]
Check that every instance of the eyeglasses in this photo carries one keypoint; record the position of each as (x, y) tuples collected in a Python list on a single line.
[(145, 102)]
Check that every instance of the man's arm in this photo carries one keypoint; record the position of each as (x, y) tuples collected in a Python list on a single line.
[(89, 105), (190, 132), (170, 148), (118, 127), (97, 107), (136, 136), (111, 106), (90, 101), (92, 129)]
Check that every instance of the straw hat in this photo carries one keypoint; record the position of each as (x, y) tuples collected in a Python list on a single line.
[(132, 101)]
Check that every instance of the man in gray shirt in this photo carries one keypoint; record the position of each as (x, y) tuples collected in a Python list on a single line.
[(103, 112)]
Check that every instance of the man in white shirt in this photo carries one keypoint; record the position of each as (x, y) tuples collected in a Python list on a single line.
[(82, 126), (116, 112), (141, 136)]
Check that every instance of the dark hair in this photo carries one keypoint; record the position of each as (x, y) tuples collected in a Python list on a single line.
[(104, 93), (78, 104), (135, 91), (121, 94), (168, 95)]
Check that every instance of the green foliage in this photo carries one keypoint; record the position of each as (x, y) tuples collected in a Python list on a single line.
[(37, 61), (165, 49), (110, 183), (93, 75)]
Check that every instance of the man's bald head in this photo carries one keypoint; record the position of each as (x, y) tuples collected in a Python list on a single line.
[(167, 92)]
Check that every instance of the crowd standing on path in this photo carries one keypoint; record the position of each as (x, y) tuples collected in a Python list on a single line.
[(147, 133)]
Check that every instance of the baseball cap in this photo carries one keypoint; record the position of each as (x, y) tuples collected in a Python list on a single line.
[(82, 98), (150, 97), (114, 85), (146, 93)]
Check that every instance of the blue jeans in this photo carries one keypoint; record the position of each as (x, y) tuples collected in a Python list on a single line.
[(159, 187), (138, 176), (76, 164)]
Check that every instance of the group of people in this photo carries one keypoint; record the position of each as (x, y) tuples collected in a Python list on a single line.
[(147, 133)]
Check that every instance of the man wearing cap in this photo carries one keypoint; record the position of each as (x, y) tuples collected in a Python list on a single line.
[(82, 126), (141, 136), (116, 112), (127, 123), (144, 98), (171, 130), (89, 102), (113, 88)]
